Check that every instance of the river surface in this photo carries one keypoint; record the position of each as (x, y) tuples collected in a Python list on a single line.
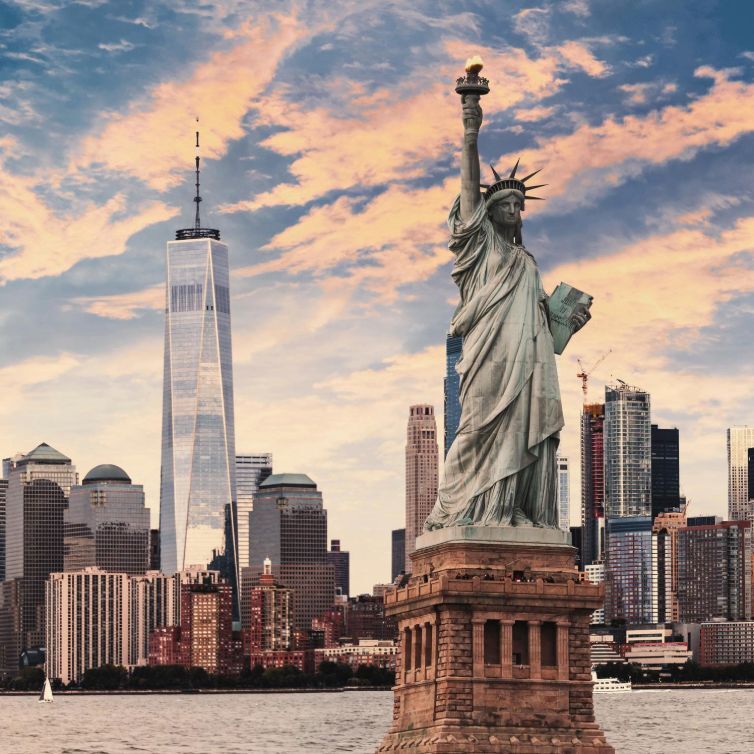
[(642, 722)]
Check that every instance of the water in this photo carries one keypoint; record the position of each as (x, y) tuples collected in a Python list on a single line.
[(661, 722)]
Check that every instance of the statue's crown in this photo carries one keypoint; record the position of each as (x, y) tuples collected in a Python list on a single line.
[(511, 182)]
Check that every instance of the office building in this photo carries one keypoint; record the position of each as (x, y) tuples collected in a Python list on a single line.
[(729, 643), (270, 613), (106, 524), (665, 528), (88, 622), (153, 604), (39, 486), (628, 452), (398, 556), (739, 440), (154, 549), (592, 483), (198, 485), (595, 572), (288, 525), (3, 495), (365, 619), (341, 563), (421, 472), (452, 385), (251, 470), (630, 585), (666, 493), (564, 494), (714, 572)]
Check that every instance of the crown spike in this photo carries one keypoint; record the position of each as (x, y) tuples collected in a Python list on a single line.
[(515, 168), (531, 175), (494, 172), (536, 198), (529, 188)]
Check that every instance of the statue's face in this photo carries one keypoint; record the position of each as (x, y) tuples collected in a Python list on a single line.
[(506, 211)]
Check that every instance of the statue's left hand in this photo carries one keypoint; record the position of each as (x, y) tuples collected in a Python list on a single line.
[(580, 317)]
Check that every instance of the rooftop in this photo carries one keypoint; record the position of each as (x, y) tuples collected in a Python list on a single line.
[(107, 472), (44, 454), (288, 480)]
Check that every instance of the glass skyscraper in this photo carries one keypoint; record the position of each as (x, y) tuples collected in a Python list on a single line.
[(739, 440), (564, 494), (453, 349), (251, 471), (198, 484)]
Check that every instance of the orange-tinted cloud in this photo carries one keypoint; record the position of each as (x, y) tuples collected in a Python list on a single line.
[(122, 305)]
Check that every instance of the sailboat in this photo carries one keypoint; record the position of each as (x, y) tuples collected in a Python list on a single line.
[(46, 695)]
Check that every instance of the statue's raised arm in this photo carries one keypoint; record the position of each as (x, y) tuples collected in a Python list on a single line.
[(472, 120)]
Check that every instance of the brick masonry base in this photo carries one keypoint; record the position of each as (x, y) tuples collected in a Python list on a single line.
[(494, 652)]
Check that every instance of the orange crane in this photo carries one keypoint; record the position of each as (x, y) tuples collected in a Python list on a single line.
[(583, 375)]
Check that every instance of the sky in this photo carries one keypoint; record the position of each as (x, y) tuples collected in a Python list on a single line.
[(330, 140)]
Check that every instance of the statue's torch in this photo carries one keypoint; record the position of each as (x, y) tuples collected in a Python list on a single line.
[(472, 84)]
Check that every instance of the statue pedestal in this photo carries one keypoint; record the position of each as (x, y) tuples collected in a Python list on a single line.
[(494, 630)]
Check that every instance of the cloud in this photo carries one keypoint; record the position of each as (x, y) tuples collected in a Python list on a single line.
[(580, 56), (122, 305), (533, 23), (149, 140), (533, 114), (609, 153), (640, 94), (123, 46)]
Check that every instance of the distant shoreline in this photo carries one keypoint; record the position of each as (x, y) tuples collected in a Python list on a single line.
[(173, 692), (693, 685)]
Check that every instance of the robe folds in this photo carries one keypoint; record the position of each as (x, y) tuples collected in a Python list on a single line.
[(500, 469)]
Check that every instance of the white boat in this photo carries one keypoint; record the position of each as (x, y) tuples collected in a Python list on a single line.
[(46, 695), (609, 685)]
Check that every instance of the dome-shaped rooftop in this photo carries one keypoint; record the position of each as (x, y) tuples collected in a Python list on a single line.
[(107, 472)]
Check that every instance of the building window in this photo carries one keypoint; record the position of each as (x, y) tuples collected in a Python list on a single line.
[(492, 642), (418, 647), (520, 643), (428, 645), (407, 648), (549, 639)]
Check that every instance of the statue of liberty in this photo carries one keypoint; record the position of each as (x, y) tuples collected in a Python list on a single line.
[(501, 468)]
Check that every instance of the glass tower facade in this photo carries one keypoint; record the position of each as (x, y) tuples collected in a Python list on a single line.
[(453, 349), (739, 440), (666, 494), (251, 471), (564, 494), (198, 486), (592, 482)]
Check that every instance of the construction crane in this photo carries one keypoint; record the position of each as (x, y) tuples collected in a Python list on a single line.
[(583, 375)]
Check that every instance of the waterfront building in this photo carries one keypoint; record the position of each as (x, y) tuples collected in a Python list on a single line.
[(666, 493), (372, 652), (714, 572), (330, 627), (630, 585), (665, 528), (270, 613), (88, 622), (595, 572), (592, 483), (301, 659), (198, 484), (39, 486), (288, 525), (153, 604), (421, 472), (165, 645), (655, 648), (398, 556), (728, 643), (340, 561), (604, 650), (251, 470), (628, 452), (452, 389), (564, 494), (366, 619), (3, 494), (106, 524), (739, 440)]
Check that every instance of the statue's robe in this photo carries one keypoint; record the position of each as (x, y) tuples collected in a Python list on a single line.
[(501, 468)]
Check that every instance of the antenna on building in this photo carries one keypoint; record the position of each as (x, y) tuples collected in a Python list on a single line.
[(583, 374), (197, 198)]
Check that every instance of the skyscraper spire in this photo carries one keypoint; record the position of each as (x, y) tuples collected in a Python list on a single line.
[(197, 198)]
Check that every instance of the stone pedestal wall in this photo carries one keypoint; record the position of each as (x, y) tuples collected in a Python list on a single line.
[(494, 649)]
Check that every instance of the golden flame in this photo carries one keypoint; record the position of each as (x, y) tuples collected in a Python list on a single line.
[(474, 64)]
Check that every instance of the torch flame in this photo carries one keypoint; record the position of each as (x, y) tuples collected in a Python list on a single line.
[(474, 64)]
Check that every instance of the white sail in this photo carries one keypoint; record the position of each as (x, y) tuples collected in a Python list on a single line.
[(46, 695)]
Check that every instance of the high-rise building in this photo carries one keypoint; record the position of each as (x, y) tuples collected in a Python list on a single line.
[(106, 524), (739, 440), (251, 470), (595, 572), (592, 483), (288, 525), (714, 572), (421, 472), (398, 557), (38, 489), (452, 384), (666, 492), (630, 585), (270, 613), (3, 495), (564, 494), (665, 528), (88, 622), (154, 549), (198, 483), (341, 562), (628, 452), (153, 601)]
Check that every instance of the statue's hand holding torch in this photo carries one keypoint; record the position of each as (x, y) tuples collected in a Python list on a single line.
[(471, 87)]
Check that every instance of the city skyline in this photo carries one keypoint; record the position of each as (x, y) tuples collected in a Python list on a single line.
[(340, 278)]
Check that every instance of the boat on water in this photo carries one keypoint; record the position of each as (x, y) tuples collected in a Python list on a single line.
[(46, 695), (609, 685)]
